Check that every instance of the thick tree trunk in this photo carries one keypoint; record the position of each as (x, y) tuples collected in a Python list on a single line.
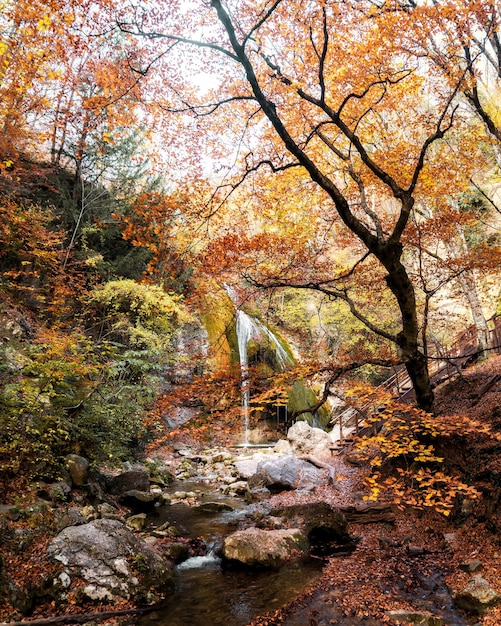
[(417, 368), (408, 338)]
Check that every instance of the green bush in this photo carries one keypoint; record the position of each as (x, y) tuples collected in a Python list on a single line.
[(71, 392)]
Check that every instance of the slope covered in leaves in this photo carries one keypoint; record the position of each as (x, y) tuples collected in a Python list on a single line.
[(414, 563)]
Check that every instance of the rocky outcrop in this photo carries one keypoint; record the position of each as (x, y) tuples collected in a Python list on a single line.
[(103, 561), (305, 439), (280, 473), (269, 548), (478, 596)]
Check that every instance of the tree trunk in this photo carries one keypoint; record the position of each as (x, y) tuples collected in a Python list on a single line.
[(402, 288), (469, 287), (417, 368), (458, 248)]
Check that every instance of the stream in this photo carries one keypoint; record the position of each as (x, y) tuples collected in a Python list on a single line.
[(207, 593)]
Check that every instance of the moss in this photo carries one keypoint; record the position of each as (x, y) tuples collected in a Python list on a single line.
[(300, 397), (218, 316)]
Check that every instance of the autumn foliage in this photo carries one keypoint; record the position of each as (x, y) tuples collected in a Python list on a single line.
[(345, 151)]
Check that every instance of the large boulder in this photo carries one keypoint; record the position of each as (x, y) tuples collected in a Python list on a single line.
[(318, 520), (305, 439), (131, 480), (478, 596), (106, 561), (280, 473), (141, 501), (78, 468), (268, 548)]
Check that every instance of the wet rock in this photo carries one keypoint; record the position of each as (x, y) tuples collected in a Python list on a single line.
[(132, 480), (178, 552), (140, 501), (318, 520), (136, 522), (471, 566), (280, 473), (214, 507), (478, 596), (78, 468), (415, 618), (105, 561), (269, 548)]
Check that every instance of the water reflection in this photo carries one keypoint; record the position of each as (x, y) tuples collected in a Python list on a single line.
[(215, 596)]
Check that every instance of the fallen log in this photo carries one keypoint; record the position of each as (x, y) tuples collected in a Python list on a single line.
[(485, 388), (368, 513), (321, 464), (80, 618)]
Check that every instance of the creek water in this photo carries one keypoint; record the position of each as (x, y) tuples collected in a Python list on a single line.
[(206, 592)]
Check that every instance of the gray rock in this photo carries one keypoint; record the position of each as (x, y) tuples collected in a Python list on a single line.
[(21, 600), (318, 520), (478, 596), (258, 494), (56, 492), (269, 548), (107, 561), (247, 467), (283, 447), (78, 468), (108, 511), (414, 617), (239, 487), (471, 566), (305, 439), (132, 480), (279, 473), (136, 522), (140, 501), (71, 516)]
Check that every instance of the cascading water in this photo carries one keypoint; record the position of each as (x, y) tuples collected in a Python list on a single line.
[(247, 329)]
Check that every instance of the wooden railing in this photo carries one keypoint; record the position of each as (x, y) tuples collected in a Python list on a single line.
[(444, 363)]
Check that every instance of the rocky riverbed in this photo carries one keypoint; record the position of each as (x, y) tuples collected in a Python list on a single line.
[(106, 544)]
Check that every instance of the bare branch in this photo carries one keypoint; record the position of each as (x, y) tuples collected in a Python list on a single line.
[(335, 294), (261, 21), (135, 29)]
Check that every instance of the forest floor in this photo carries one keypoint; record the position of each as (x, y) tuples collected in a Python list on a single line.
[(414, 563)]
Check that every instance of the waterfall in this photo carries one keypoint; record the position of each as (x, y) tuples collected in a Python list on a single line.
[(248, 328)]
